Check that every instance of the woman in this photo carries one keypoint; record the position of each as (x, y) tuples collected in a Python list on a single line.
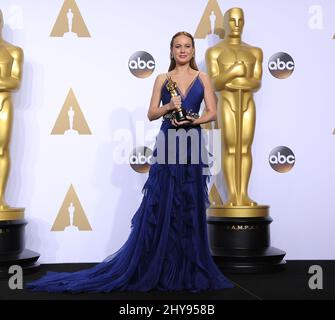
[(167, 248)]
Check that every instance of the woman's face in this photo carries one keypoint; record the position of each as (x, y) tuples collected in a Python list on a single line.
[(182, 49)]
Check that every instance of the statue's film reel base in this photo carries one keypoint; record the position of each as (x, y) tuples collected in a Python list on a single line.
[(12, 243), (239, 239)]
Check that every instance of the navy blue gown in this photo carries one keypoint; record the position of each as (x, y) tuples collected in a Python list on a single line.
[(167, 248)]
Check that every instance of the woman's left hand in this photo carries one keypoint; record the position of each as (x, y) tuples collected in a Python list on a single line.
[(175, 123)]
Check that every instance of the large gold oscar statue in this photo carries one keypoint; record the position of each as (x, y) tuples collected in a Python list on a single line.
[(235, 68), (12, 222), (11, 59)]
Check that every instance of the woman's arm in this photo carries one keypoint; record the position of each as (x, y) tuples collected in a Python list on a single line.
[(210, 101), (155, 110)]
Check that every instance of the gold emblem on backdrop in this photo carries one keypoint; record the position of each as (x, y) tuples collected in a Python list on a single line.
[(71, 215), (211, 21), (71, 120), (70, 22)]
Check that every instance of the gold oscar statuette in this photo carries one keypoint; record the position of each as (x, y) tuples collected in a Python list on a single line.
[(12, 222), (236, 70), (11, 59), (238, 229), (179, 114)]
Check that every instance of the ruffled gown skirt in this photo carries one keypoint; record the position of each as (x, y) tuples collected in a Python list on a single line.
[(167, 248)]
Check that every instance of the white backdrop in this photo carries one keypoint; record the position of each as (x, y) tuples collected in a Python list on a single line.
[(297, 112)]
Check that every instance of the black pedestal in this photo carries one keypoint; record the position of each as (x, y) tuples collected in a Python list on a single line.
[(242, 245), (12, 248)]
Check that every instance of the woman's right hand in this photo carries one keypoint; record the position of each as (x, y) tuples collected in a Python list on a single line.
[(175, 103)]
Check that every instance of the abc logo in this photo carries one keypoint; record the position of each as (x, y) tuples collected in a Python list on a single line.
[(141, 64), (282, 159), (140, 159), (281, 65)]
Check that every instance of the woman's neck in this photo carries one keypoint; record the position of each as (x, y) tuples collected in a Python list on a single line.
[(182, 68)]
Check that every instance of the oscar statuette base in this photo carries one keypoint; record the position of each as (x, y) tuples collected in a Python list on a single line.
[(12, 243), (239, 239)]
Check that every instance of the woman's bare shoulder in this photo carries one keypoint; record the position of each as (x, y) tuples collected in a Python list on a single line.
[(162, 77), (204, 77)]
